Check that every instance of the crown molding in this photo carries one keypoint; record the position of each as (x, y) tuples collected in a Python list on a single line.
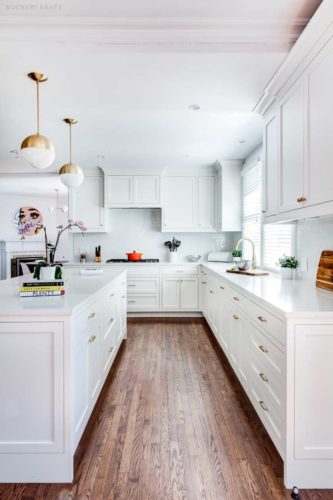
[(313, 39), (223, 34)]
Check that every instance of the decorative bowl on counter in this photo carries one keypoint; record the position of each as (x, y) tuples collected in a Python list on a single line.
[(194, 257), (243, 265)]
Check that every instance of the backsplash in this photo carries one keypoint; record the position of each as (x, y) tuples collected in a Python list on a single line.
[(313, 236), (140, 230)]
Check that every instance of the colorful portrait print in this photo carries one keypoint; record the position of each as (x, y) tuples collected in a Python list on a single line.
[(29, 221)]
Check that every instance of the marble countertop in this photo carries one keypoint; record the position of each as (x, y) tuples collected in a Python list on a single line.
[(78, 290), (290, 297), (109, 264)]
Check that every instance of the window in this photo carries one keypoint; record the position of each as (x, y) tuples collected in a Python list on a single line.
[(271, 240), (252, 220)]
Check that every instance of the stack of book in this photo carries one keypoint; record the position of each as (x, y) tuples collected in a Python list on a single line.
[(42, 288)]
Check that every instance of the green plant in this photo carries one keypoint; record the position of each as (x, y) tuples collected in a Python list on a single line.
[(288, 261), (237, 253)]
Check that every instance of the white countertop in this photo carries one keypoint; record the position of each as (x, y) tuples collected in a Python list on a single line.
[(78, 290), (129, 263), (291, 297)]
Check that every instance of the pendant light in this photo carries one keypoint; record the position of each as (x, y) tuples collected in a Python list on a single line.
[(71, 174), (62, 209), (36, 149)]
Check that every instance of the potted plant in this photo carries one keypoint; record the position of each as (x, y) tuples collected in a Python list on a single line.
[(48, 269), (288, 265), (237, 255)]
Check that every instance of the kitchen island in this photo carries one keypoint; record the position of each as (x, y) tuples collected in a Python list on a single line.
[(55, 354)]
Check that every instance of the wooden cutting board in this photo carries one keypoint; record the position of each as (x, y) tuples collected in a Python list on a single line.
[(251, 272), (325, 270)]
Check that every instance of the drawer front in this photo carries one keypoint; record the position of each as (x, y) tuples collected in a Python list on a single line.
[(109, 340), (268, 322), (270, 383), (180, 270), (143, 302), (88, 321), (266, 409), (143, 285), (265, 350), (142, 270)]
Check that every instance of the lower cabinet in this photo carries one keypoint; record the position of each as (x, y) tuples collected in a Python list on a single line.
[(180, 294)]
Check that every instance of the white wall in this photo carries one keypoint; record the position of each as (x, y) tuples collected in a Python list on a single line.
[(140, 230), (312, 236)]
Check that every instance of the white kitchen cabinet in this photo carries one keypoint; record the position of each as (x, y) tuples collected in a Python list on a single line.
[(131, 190), (180, 294), (239, 344), (228, 195), (93, 364), (271, 165), (292, 150), (206, 203), (224, 321), (170, 294), (86, 204), (179, 204)]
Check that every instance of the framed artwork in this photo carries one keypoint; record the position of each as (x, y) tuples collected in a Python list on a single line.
[(28, 221)]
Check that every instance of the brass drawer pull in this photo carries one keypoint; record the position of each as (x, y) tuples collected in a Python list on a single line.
[(91, 315), (235, 316), (131, 285), (263, 348), (263, 406), (236, 298), (222, 287), (211, 291), (132, 301), (111, 295), (92, 338), (263, 377), (110, 350), (301, 199), (111, 320), (204, 282), (262, 319)]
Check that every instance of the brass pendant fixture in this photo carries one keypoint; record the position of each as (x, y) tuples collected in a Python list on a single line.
[(71, 174), (37, 149)]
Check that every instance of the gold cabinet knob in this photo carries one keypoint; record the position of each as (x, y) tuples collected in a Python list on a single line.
[(235, 316), (263, 377), (263, 348), (92, 338), (236, 298), (263, 406), (301, 199), (111, 320), (262, 319)]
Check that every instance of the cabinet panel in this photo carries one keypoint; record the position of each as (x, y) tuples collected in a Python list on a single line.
[(320, 101), (118, 190), (189, 294), (146, 190), (292, 150), (206, 203), (179, 204), (94, 374), (271, 166), (88, 204), (170, 294)]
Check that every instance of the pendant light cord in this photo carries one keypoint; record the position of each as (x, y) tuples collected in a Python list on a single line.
[(37, 83)]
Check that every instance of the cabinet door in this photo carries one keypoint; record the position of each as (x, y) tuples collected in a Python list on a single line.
[(292, 151), (239, 345), (118, 190), (189, 294), (146, 190), (206, 203), (170, 294), (320, 99), (224, 318), (89, 204), (179, 204), (94, 372), (271, 166), (80, 388)]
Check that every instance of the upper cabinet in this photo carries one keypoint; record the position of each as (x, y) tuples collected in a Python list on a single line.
[(298, 124), (126, 189), (228, 195), (86, 204), (179, 204)]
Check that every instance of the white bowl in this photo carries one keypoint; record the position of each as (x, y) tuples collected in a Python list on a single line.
[(194, 258)]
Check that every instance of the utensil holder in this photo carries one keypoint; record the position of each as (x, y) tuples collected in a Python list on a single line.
[(173, 257)]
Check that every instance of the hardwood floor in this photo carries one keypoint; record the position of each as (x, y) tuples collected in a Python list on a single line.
[(172, 422)]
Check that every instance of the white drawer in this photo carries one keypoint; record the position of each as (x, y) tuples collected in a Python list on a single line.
[(266, 377), (264, 349), (180, 270), (143, 285), (143, 302), (268, 322), (142, 270)]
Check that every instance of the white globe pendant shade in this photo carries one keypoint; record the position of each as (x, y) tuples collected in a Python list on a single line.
[(71, 175), (38, 151)]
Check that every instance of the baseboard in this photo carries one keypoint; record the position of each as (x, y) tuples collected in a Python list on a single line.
[(165, 315)]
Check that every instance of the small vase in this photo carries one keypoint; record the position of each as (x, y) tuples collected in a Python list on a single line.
[(173, 257), (47, 273), (287, 273)]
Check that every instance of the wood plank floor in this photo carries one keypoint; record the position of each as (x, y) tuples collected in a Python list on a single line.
[(172, 422)]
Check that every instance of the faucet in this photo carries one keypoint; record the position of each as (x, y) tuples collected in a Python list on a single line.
[(254, 258)]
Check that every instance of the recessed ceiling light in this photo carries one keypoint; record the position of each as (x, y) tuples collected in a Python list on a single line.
[(194, 107), (100, 157)]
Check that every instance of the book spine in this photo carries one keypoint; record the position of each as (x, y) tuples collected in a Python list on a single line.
[(42, 294), (40, 288), (43, 283)]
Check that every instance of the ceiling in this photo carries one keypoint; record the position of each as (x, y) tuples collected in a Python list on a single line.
[(128, 71)]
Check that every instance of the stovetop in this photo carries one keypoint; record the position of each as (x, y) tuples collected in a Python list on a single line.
[(115, 261)]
